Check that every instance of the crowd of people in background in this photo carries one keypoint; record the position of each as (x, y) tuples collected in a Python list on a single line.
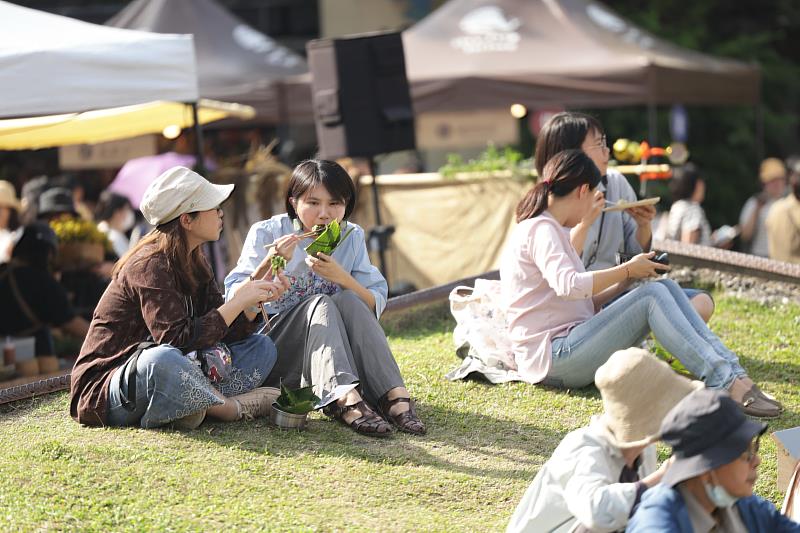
[(759, 231)]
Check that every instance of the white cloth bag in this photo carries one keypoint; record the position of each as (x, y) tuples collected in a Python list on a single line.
[(481, 333)]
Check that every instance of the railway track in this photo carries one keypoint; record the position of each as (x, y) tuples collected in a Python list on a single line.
[(681, 254)]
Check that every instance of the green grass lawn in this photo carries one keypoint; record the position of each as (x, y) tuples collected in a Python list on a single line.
[(484, 446)]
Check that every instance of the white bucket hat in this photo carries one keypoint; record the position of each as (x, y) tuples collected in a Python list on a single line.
[(638, 390), (180, 190)]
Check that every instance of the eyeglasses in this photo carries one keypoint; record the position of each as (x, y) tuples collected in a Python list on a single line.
[(601, 144), (752, 450)]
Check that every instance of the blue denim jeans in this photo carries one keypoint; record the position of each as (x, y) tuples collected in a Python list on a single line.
[(659, 306), (170, 386), (688, 291)]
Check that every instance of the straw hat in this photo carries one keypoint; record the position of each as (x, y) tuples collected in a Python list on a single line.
[(8, 196), (638, 390), (772, 168), (178, 191)]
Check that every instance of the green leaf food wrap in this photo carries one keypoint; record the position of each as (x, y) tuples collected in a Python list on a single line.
[(297, 401), (277, 262), (328, 240)]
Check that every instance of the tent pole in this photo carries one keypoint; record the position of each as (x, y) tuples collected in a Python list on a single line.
[(198, 142), (211, 248), (759, 109), (652, 123), (378, 236)]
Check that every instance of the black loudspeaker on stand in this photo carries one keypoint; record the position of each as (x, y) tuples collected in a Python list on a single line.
[(362, 106)]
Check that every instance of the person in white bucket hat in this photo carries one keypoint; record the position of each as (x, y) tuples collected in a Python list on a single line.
[(598, 473), (163, 348)]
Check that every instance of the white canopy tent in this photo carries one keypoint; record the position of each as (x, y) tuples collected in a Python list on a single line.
[(53, 64)]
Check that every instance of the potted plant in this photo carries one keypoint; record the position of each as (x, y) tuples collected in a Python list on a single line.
[(81, 244), (291, 409)]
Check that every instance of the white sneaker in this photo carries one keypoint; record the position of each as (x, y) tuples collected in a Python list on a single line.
[(257, 402)]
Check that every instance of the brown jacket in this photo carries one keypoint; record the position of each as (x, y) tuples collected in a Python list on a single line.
[(143, 301)]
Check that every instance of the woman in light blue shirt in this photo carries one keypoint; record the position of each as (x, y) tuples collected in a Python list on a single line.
[(326, 329)]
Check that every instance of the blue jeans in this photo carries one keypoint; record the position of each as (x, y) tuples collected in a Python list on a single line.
[(659, 306), (170, 386), (688, 291)]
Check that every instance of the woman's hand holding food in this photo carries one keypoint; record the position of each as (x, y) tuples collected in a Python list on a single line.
[(643, 214), (598, 203), (326, 267), (255, 292), (285, 246)]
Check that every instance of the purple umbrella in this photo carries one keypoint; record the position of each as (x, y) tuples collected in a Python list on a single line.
[(135, 175)]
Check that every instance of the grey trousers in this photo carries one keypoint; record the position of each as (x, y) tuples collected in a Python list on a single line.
[(333, 343)]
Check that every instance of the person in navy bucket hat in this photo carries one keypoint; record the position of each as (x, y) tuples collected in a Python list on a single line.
[(709, 483)]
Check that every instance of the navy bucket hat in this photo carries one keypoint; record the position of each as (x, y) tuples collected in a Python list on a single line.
[(706, 430)]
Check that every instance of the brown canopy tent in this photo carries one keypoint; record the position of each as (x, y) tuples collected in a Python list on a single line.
[(484, 54), (576, 53)]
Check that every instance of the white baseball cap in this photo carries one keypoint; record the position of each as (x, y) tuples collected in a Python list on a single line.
[(180, 190)]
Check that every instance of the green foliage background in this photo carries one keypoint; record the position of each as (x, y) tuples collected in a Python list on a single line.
[(722, 140)]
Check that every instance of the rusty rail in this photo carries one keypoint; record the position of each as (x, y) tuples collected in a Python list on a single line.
[(680, 254), (36, 388), (694, 255)]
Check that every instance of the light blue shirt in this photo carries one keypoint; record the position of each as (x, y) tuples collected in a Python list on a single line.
[(619, 228), (351, 255)]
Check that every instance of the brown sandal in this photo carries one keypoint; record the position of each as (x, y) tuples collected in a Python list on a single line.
[(369, 423), (407, 421)]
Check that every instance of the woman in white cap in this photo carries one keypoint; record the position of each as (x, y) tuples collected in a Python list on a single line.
[(598, 473), (162, 319), (326, 328), (9, 218)]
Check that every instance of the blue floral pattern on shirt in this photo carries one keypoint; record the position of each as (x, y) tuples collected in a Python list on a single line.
[(351, 255), (303, 285)]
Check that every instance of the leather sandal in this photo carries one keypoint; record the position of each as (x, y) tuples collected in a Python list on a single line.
[(406, 421), (369, 423), (756, 405)]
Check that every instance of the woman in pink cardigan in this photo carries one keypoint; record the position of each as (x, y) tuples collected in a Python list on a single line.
[(559, 337)]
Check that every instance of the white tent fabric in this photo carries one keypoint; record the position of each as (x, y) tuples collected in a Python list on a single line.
[(53, 64)]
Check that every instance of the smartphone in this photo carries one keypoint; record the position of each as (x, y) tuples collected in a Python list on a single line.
[(660, 258)]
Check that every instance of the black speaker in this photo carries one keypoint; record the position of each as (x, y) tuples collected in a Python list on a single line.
[(362, 106)]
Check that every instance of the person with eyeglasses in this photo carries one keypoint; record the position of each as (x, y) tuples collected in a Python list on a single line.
[(714, 466), (599, 236), (560, 333)]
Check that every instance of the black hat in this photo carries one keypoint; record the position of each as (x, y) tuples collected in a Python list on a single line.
[(706, 430), (36, 238), (56, 200)]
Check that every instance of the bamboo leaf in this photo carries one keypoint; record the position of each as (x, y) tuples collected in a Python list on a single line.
[(297, 401)]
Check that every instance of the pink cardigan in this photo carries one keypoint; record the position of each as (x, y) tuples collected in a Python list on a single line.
[(546, 291)]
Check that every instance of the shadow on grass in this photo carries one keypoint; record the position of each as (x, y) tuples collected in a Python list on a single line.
[(457, 441), (419, 321)]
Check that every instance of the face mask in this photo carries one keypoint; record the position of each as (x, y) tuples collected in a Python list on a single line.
[(129, 221), (719, 496)]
